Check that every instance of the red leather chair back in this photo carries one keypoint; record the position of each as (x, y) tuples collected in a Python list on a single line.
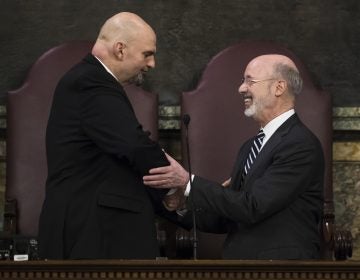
[(218, 126), (27, 115)]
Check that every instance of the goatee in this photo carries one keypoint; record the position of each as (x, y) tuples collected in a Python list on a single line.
[(137, 80)]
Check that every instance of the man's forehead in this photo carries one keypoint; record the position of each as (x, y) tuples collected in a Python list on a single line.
[(258, 66)]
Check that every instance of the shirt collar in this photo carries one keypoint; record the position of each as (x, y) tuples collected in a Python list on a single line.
[(274, 124), (106, 68)]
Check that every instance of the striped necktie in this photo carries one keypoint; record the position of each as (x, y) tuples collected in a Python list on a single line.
[(254, 151)]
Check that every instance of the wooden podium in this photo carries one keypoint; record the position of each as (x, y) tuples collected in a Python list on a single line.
[(179, 269)]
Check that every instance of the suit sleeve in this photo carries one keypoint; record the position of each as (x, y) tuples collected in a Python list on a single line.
[(295, 169), (108, 119)]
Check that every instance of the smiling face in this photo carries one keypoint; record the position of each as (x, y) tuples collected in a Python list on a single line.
[(269, 87), (258, 89)]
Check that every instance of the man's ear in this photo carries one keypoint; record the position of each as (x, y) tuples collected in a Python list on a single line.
[(118, 49), (281, 87)]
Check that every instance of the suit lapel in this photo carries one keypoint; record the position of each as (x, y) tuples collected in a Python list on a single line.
[(269, 146)]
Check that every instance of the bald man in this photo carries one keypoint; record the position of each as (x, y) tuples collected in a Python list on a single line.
[(96, 205), (271, 207)]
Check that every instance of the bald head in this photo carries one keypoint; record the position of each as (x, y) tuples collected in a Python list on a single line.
[(272, 59), (123, 26), (281, 67), (126, 45)]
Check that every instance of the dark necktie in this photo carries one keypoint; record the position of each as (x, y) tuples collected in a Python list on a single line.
[(254, 151)]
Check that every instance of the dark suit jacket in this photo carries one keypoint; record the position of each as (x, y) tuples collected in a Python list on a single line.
[(276, 212), (96, 205)]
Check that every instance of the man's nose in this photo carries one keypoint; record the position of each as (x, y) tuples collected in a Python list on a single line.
[(151, 62), (242, 88)]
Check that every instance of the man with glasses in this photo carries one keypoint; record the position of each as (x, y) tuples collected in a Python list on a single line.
[(271, 206)]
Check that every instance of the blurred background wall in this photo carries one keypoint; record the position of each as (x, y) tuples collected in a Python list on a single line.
[(323, 33)]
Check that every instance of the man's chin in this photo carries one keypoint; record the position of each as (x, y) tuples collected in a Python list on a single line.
[(250, 111), (137, 80)]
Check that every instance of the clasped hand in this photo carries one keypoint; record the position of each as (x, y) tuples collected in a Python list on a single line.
[(173, 176)]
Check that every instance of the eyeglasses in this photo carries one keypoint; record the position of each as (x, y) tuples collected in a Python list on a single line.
[(251, 82)]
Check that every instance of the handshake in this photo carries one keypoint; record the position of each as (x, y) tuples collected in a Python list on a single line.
[(173, 177)]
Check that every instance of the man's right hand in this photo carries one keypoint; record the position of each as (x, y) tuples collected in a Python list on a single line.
[(171, 176)]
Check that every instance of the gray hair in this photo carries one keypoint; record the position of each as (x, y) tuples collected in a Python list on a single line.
[(292, 77)]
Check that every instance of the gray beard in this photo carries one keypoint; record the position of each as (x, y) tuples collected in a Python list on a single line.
[(137, 80), (249, 112)]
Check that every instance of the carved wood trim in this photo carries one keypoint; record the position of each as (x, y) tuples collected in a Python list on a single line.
[(179, 269)]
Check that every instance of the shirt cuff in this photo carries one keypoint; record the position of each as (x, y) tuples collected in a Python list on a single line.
[(171, 191)]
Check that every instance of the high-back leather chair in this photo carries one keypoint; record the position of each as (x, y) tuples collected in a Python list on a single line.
[(27, 115), (218, 127)]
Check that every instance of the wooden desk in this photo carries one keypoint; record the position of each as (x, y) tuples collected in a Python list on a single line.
[(179, 269)]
